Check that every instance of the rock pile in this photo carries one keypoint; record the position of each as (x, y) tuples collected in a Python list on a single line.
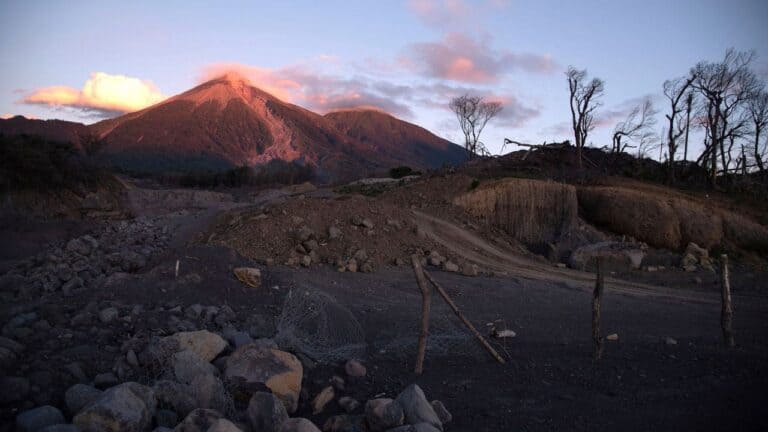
[(203, 385), (123, 247)]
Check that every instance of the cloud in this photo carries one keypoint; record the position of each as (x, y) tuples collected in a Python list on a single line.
[(102, 93), (458, 57), (6, 116), (312, 89), (452, 14)]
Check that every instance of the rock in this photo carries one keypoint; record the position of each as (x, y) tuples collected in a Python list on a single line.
[(333, 232), (80, 395), (105, 380), (299, 425), (612, 337), (349, 404), (442, 412), (37, 418), (205, 344), (79, 246), (346, 423), (223, 425), (60, 428), (322, 399), (383, 414), (306, 261), (352, 265), (416, 407), (450, 267), (131, 261), (14, 389), (187, 365), (249, 276), (470, 270), (166, 418), (670, 341), (266, 413), (280, 371), (209, 392), (193, 312), (694, 254), (304, 233), (337, 382), (131, 358), (355, 369), (175, 396), (617, 256), (505, 333), (108, 315), (127, 407), (310, 245), (198, 420)]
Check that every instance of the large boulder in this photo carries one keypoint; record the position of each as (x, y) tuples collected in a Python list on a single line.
[(205, 344), (280, 371), (266, 412), (174, 396), (187, 365), (128, 407), (38, 418), (209, 392), (80, 395), (416, 407), (223, 425)]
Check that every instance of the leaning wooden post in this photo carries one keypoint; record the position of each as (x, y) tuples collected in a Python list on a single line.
[(425, 304), (726, 313), (463, 319), (597, 296)]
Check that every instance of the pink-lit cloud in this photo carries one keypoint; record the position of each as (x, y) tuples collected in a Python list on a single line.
[(317, 91), (6, 116), (452, 14), (458, 57), (102, 93)]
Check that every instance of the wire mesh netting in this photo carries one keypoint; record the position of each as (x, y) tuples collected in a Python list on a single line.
[(315, 324)]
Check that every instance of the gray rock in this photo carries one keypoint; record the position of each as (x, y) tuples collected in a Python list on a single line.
[(60, 428), (80, 395), (383, 414), (209, 392), (266, 413), (355, 369), (349, 404), (299, 425), (105, 380), (108, 315), (450, 266), (131, 261), (280, 371), (416, 407), (198, 420), (37, 418), (14, 389), (127, 407), (346, 423), (334, 233), (223, 425), (442, 412), (187, 365), (79, 246), (205, 344), (174, 396), (166, 418)]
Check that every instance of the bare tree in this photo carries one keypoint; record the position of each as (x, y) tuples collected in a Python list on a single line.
[(688, 109), (678, 91), (637, 127), (473, 114), (757, 106), (584, 99), (725, 87)]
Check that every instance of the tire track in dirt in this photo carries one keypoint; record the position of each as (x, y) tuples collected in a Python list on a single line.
[(494, 257)]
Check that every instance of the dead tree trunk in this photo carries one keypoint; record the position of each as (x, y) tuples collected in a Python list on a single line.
[(425, 305), (726, 313), (463, 319), (597, 296)]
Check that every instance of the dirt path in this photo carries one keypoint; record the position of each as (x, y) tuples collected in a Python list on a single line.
[(482, 252)]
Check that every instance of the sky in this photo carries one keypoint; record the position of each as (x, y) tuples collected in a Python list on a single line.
[(89, 60)]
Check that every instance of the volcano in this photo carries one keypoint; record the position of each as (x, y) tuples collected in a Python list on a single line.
[(227, 122)]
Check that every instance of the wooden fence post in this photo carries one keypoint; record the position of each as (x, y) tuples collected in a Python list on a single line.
[(425, 305), (597, 296), (726, 313)]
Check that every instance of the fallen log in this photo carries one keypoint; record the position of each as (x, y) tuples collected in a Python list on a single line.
[(463, 319)]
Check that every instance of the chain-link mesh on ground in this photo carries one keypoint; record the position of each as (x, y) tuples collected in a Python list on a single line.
[(316, 325), (447, 335)]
